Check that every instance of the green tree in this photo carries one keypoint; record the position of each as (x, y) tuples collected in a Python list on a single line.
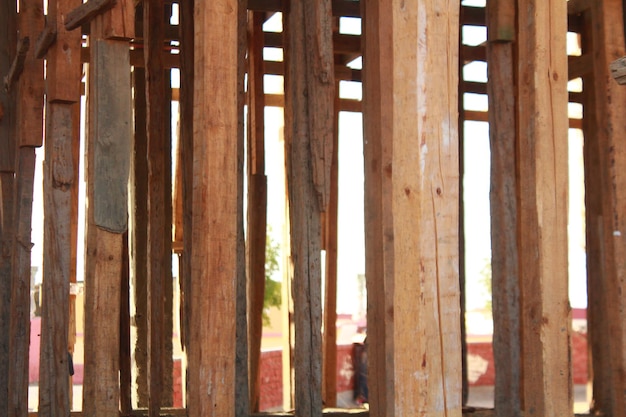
[(273, 292)]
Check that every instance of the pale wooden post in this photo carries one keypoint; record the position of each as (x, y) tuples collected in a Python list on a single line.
[(504, 260), (212, 290), (309, 92), (29, 134), (108, 166), (8, 34), (542, 207), (416, 121), (607, 33)]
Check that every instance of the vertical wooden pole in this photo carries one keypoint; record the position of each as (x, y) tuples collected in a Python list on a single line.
[(309, 92), (109, 150), (542, 208), (242, 384), (330, 296), (504, 260), (8, 35), (139, 236), (125, 342), (423, 236), (63, 77), (212, 291), (377, 64), (607, 30), (598, 341), (29, 134), (257, 201)]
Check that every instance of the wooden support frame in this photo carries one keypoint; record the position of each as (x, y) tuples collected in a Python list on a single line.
[(86, 12), (212, 331), (542, 207), (23, 45)]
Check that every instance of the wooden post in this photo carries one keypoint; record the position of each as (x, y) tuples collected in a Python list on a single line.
[(63, 93), (329, 387), (607, 31), (139, 237), (504, 260), (8, 40), (423, 333), (542, 208), (598, 342), (257, 201), (377, 64), (212, 291), (159, 200), (309, 92), (29, 134), (108, 166)]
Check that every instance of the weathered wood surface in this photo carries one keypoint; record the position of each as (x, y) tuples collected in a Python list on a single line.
[(19, 331), (139, 237), (17, 67), (125, 334), (542, 208), (85, 12), (59, 177), (425, 201), (618, 70), (8, 35), (607, 32), (159, 199), (329, 342), (108, 168), (377, 99), (597, 274), (116, 23), (212, 291), (186, 142), (257, 202), (309, 116), (45, 40), (504, 258)]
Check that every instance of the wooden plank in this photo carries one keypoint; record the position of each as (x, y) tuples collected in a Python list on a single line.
[(186, 139), (607, 34), (58, 180), (116, 23), (126, 382), (329, 343), (153, 12), (377, 163), (504, 251), (139, 237), (8, 35), (424, 202), (309, 92), (108, 164), (19, 330), (17, 67), (86, 12), (45, 40), (63, 68), (212, 330), (257, 202), (542, 208), (501, 20)]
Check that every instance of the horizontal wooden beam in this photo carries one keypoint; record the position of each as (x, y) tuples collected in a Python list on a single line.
[(579, 66), (86, 12)]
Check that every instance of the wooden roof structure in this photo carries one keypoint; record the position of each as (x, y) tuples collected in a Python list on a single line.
[(412, 109)]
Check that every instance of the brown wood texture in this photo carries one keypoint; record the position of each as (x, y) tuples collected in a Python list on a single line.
[(542, 208), (329, 342), (425, 201), (109, 147), (186, 141), (257, 202), (159, 198), (504, 251), (309, 92), (30, 86), (117, 22), (125, 334), (45, 40), (212, 291), (59, 176), (85, 12), (607, 32), (377, 123), (139, 237), (8, 35), (17, 66), (19, 330), (63, 68)]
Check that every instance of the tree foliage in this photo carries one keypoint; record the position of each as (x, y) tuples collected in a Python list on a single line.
[(273, 291)]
